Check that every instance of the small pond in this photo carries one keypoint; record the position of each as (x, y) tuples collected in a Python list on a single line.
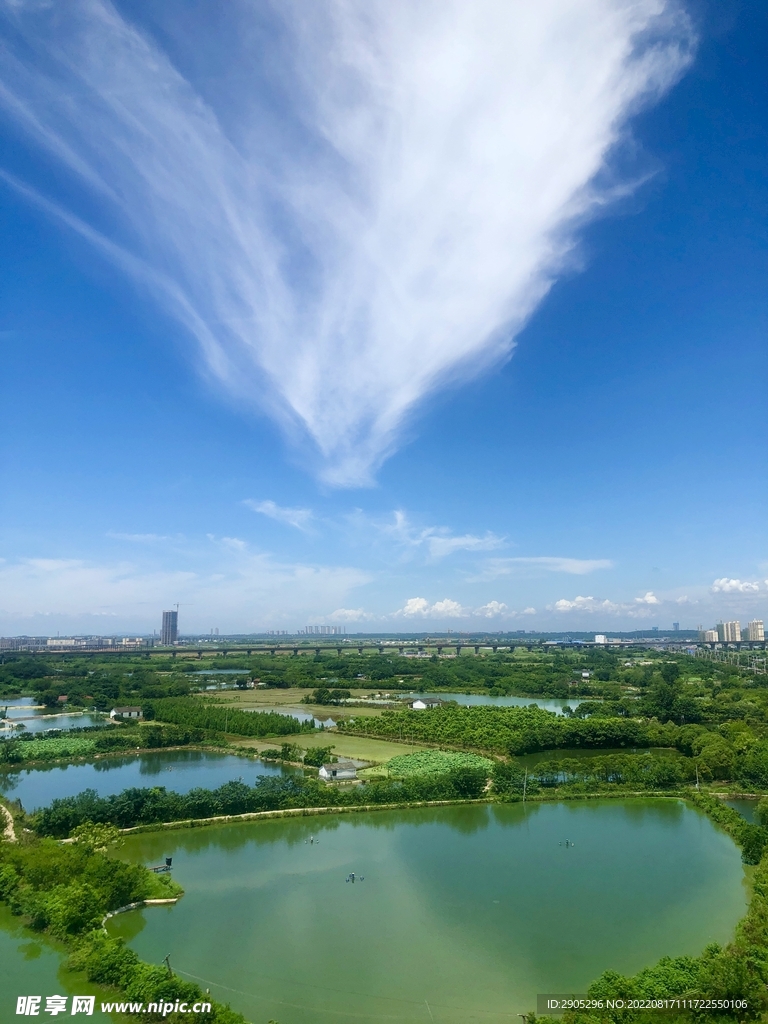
[(747, 808), (300, 716), (471, 699), (179, 770), (42, 723)]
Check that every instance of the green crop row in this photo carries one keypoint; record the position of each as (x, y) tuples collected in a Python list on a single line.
[(430, 762)]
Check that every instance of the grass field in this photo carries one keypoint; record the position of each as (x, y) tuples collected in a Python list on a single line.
[(358, 747), (247, 700)]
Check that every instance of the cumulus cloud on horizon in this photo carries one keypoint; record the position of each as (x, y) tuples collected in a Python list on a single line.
[(388, 197), (729, 586)]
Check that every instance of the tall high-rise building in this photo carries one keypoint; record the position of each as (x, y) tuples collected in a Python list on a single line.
[(729, 632), (676, 626), (169, 634), (755, 630)]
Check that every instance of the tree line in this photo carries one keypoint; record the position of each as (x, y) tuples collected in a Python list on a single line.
[(145, 806), (199, 714), (67, 891)]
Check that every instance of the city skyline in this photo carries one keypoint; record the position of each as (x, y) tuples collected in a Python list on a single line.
[(501, 374)]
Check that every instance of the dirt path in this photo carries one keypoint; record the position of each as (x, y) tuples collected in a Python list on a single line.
[(8, 831)]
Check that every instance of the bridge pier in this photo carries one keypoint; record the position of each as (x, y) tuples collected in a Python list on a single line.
[(477, 649)]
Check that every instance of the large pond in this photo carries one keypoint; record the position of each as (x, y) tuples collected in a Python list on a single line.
[(471, 699), (178, 770), (464, 913)]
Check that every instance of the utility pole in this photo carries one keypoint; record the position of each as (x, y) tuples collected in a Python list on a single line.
[(525, 786)]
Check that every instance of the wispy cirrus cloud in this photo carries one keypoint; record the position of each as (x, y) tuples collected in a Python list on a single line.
[(493, 568), (403, 215), (438, 541), (300, 518)]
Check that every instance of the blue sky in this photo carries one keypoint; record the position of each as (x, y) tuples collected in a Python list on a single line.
[(425, 319)]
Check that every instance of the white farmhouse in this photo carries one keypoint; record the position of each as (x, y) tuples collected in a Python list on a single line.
[(125, 713), (339, 771)]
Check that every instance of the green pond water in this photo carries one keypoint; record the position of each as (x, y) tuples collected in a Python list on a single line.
[(464, 914), (33, 966)]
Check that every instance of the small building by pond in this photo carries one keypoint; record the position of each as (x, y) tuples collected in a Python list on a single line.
[(423, 703), (338, 771), (125, 713)]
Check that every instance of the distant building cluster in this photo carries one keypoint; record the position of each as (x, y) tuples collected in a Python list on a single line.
[(731, 632), (72, 643), (324, 630)]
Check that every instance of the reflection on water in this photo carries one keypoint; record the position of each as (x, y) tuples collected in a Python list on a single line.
[(175, 770), (474, 909)]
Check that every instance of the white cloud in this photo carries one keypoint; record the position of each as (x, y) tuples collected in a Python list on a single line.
[(528, 611), (441, 545), (584, 604), (492, 610), (414, 606), (419, 607), (451, 609), (228, 585), (648, 598), (298, 517), (428, 170), (348, 615), (493, 568), (439, 541), (727, 586)]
